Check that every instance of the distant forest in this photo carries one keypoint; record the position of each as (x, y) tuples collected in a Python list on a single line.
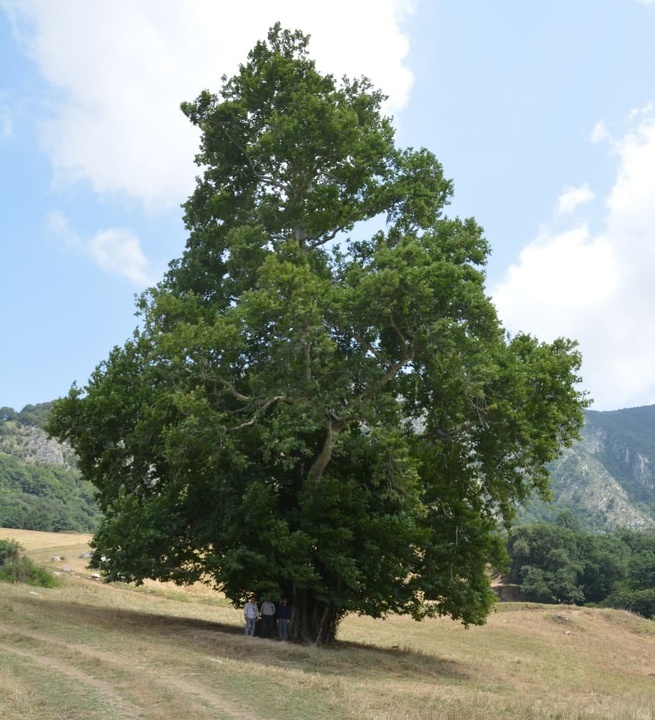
[(562, 563), (30, 415)]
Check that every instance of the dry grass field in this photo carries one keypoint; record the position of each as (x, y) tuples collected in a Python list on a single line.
[(90, 651)]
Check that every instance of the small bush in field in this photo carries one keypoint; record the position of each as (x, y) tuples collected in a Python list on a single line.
[(17, 568)]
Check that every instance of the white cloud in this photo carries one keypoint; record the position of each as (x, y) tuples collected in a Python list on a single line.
[(573, 197), (599, 287), (631, 202), (568, 269), (117, 251), (59, 226), (121, 70), (599, 132)]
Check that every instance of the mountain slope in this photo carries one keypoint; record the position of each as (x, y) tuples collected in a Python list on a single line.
[(40, 486), (607, 480)]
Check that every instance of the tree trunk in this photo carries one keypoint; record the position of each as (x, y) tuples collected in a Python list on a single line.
[(313, 621)]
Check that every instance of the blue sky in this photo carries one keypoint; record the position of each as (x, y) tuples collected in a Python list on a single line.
[(541, 112)]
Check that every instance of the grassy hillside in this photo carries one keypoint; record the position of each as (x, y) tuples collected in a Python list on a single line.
[(92, 651)]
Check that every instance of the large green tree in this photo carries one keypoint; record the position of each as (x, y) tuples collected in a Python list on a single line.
[(320, 402)]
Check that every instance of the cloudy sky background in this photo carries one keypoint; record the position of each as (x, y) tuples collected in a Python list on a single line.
[(542, 113)]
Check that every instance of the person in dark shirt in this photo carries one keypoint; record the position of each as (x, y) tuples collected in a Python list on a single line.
[(283, 617)]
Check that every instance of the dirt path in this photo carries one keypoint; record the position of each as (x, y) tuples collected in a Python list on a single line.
[(106, 691), (144, 680)]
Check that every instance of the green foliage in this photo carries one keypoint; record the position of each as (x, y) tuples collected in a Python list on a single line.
[(38, 495), (641, 601), (7, 413), (545, 561), (636, 591), (30, 415), (10, 551), (344, 423), (35, 415), (45, 497), (536, 585), (17, 568), (563, 563)]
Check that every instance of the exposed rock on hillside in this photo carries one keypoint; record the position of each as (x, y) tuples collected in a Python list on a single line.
[(40, 485), (607, 479), (31, 445)]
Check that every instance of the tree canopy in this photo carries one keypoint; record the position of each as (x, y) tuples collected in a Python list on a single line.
[(561, 562), (316, 406)]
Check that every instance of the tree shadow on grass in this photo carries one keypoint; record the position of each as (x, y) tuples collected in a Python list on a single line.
[(351, 659)]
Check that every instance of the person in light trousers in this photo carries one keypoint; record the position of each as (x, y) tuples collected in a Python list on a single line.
[(250, 614)]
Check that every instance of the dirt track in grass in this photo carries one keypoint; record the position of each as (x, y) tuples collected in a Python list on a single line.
[(91, 651)]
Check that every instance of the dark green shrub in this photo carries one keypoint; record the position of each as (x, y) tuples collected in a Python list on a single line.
[(17, 568), (641, 601)]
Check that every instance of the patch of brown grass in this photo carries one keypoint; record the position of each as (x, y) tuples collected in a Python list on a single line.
[(163, 652)]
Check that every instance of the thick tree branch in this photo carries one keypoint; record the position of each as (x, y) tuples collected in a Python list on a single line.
[(396, 368), (364, 343), (233, 391), (461, 429), (308, 362), (325, 455), (392, 322), (455, 432), (335, 424), (319, 240), (262, 408)]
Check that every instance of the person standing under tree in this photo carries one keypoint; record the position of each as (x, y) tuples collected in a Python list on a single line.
[(250, 613), (283, 617), (268, 615)]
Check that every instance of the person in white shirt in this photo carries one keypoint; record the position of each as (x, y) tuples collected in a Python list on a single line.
[(251, 613), (268, 619)]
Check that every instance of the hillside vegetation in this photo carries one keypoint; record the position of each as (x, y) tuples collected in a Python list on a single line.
[(40, 486), (560, 563), (96, 651)]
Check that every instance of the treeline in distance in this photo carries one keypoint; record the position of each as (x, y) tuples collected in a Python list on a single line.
[(562, 563)]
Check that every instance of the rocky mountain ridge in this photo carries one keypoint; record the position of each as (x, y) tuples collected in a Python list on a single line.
[(607, 479)]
